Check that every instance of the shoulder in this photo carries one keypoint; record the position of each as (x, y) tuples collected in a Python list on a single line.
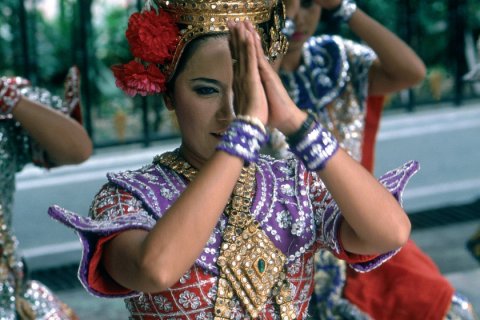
[(116, 197), (324, 42), (331, 44), (113, 201)]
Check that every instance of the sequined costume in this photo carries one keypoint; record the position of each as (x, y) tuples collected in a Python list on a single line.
[(292, 206), (20, 297), (332, 81)]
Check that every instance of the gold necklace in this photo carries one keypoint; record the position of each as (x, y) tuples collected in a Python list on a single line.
[(250, 265)]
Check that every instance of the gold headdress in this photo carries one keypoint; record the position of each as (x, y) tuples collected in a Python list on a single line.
[(171, 24)]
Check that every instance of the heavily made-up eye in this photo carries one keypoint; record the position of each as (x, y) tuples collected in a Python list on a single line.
[(205, 91), (306, 3)]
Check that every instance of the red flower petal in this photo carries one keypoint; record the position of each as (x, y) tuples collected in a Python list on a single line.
[(152, 37), (133, 78)]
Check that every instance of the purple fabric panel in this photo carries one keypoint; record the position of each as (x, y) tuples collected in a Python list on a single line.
[(395, 182), (329, 227), (287, 214), (158, 188), (90, 231), (375, 263)]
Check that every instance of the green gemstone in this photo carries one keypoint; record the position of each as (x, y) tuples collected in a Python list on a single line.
[(261, 265)]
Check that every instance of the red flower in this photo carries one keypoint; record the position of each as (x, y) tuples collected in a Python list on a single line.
[(134, 78), (152, 37)]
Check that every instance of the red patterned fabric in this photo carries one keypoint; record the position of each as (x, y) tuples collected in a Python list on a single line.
[(193, 296)]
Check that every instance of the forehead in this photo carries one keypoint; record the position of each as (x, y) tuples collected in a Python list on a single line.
[(211, 58)]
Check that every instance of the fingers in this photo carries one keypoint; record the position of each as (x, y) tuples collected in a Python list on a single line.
[(242, 46), (260, 54), (249, 95)]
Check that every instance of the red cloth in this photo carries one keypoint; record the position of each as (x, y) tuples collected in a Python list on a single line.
[(409, 285), (98, 278), (372, 123)]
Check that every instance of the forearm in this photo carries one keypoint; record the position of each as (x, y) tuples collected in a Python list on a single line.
[(180, 236), (398, 63), (64, 140), (374, 222)]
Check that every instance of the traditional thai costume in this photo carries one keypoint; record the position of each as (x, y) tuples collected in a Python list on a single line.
[(258, 262), (291, 206), (20, 297), (332, 82)]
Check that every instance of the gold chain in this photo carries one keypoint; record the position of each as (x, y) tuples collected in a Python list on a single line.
[(251, 267)]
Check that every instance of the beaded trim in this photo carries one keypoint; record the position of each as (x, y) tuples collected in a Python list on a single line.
[(254, 121), (250, 265), (345, 11), (243, 139), (316, 146), (9, 97)]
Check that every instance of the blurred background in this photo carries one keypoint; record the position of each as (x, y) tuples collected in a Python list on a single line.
[(40, 39), (436, 122)]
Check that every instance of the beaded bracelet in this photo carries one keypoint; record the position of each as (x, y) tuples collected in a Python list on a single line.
[(313, 144), (294, 138), (344, 11), (252, 120), (9, 97), (243, 139)]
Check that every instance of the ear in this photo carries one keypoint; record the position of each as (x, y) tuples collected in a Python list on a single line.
[(168, 99)]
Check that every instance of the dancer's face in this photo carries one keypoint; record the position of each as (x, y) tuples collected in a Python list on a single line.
[(203, 99), (306, 18)]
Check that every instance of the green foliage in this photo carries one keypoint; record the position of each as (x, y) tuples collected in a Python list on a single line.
[(55, 44), (9, 36)]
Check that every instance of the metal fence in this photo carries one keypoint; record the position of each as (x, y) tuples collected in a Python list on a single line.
[(40, 46)]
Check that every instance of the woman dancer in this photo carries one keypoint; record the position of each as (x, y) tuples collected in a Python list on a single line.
[(213, 229), (31, 122)]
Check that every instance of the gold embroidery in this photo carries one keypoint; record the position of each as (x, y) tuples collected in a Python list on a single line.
[(250, 265), (196, 18)]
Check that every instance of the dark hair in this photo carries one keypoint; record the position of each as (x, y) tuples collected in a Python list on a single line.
[(188, 52)]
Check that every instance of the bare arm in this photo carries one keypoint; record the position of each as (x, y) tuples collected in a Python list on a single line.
[(64, 139), (154, 261), (374, 221), (397, 67)]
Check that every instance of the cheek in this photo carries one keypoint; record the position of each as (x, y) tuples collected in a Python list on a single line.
[(192, 113), (311, 16)]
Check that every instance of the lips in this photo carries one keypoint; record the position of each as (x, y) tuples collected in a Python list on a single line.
[(297, 36), (219, 134)]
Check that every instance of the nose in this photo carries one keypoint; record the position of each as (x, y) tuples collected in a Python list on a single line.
[(226, 113), (298, 18)]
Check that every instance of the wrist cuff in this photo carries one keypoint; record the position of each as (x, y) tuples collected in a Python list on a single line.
[(344, 12)]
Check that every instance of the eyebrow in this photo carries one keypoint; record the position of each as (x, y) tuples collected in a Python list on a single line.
[(209, 80)]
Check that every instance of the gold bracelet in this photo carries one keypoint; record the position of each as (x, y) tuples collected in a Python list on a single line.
[(252, 120)]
